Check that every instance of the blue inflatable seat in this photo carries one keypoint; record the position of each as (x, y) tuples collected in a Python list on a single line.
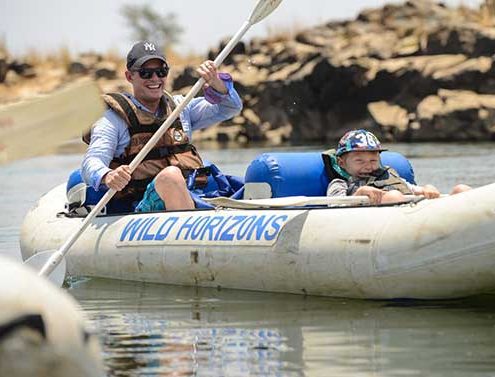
[(270, 175), (81, 198), (276, 175)]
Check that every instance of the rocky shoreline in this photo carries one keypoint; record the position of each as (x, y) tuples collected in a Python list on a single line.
[(417, 71)]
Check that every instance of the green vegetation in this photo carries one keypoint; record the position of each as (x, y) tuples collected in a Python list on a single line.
[(147, 24)]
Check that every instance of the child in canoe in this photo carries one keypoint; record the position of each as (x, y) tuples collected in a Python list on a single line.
[(356, 170)]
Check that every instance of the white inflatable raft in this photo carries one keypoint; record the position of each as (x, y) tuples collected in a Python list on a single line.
[(42, 330), (431, 249)]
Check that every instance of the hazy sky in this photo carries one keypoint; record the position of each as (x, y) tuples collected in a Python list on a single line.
[(96, 25)]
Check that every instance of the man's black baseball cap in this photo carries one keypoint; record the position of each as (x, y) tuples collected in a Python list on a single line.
[(141, 52)]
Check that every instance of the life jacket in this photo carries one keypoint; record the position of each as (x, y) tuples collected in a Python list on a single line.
[(384, 178), (172, 149)]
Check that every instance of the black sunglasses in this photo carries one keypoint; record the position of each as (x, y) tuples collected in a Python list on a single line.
[(147, 73)]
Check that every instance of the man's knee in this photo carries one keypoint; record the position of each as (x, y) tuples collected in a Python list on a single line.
[(170, 176)]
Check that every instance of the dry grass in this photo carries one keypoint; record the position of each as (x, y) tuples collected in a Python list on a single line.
[(3, 48), (180, 60), (283, 33), (47, 61), (50, 74), (113, 56), (487, 14)]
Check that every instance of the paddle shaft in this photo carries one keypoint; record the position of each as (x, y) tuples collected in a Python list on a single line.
[(60, 253), (290, 201)]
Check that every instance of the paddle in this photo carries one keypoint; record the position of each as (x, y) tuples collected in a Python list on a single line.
[(300, 201), (262, 9), (38, 260), (289, 201), (37, 126)]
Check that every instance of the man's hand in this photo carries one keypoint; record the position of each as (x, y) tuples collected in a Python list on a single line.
[(373, 193), (208, 71), (118, 178)]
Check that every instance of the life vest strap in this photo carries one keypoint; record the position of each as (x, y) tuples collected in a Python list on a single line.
[(157, 153), (131, 115)]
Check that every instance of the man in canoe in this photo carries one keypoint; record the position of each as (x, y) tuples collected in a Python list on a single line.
[(356, 170), (131, 119)]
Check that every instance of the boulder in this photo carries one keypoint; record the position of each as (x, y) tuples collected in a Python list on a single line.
[(4, 67), (105, 70), (186, 78), (250, 116), (90, 59), (388, 115), (455, 116), (239, 49), (22, 69), (77, 68)]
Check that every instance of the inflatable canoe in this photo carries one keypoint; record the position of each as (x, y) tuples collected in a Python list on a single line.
[(313, 245)]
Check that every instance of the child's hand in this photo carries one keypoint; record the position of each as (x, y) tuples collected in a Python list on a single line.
[(430, 192), (373, 193)]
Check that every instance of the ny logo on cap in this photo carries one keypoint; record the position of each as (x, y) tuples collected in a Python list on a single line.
[(149, 46)]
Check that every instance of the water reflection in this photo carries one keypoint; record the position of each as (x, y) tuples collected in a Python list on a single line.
[(157, 330)]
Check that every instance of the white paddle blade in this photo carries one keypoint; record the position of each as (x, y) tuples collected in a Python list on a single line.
[(263, 8), (37, 261), (38, 126)]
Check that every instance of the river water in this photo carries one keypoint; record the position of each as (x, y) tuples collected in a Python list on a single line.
[(157, 330)]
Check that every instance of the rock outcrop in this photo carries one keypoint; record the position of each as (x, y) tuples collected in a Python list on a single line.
[(21, 69), (410, 72)]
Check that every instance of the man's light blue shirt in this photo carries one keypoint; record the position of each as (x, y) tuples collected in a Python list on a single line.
[(110, 135)]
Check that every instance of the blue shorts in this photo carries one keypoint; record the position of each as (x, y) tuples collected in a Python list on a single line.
[(151, 200)]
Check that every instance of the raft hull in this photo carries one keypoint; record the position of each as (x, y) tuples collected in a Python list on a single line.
[(42, 329), (434, 249)]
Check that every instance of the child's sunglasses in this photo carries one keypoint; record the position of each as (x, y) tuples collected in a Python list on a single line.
[(147, 73)]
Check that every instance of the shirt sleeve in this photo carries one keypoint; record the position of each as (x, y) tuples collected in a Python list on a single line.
[(338, 187), (215, 107), (104, 146), (414, 188)]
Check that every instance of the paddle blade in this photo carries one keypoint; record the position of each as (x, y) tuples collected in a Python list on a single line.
[(38, 126), (262, 9), (37, 261)]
